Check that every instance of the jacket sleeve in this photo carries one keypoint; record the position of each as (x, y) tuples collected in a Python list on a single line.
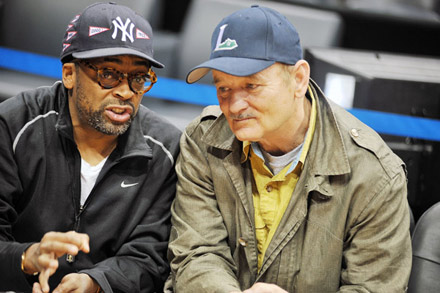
[(140, 265), (377, 251), (11, 276), (200, 257)]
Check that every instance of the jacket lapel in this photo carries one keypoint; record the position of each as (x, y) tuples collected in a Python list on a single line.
[(220, 136), (320, 164)]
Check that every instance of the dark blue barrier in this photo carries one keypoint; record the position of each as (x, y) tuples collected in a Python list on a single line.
[(399, 125), (30, 62), (200, 94)]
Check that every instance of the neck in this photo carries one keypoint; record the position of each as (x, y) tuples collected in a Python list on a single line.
[(94, 147), (293, 134)]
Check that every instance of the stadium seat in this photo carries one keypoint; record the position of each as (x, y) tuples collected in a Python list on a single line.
[(39, 26), (412, 222), (425, 274)]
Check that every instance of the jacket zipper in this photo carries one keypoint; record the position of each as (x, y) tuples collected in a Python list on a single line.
[(69, 257)]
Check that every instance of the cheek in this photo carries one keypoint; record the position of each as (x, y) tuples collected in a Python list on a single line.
[(223, 106), (137, 100)]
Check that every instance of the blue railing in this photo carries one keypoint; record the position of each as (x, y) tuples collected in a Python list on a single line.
[(201, 94)]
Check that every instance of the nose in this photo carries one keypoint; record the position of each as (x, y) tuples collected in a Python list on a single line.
[(123, 90), (238, 102)]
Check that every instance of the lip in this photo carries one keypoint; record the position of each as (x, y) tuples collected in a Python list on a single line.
[(126, 109), (243, 119), (122, 117)]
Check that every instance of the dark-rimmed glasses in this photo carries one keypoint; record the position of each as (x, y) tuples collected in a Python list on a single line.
[(108, 78)]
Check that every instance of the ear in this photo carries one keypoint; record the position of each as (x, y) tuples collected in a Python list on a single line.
[(69, 75), (302, 76)]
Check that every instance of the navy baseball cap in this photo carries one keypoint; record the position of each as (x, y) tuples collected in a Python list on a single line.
[(248, 41), (107, 29)]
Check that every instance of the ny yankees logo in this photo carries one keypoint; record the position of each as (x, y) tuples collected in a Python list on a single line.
[(119, 25), (228, 44)]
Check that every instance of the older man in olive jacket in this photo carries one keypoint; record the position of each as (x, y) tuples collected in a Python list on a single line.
[(342, 225)]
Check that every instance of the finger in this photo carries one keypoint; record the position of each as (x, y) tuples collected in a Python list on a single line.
[(36, 288), (75, 283), (84, 242), (65, 286), (58, 248), (78, 240), (43, 278), (48, 261)]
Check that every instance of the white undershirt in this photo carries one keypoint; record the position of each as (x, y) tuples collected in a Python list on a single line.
[(277, 163), (89, 174)]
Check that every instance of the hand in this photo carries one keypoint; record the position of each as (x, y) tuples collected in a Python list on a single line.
[(43, 257), (263, 288), (72, 283)]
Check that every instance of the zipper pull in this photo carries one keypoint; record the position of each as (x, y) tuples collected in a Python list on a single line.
[(69, 257)]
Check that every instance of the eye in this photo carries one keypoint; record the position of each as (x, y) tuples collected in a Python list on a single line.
[(251, 86), (108, 74), (222, 89), (140, 78), (222, 92)]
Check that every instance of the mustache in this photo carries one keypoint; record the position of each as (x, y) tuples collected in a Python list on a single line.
[(241, 116), (118, 102)]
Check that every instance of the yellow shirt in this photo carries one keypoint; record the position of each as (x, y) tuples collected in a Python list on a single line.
[(272, 193)]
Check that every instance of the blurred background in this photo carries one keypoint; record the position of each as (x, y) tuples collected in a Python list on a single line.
[(380, 59)]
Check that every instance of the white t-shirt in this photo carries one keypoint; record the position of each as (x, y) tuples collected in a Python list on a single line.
[(89, 174), (277, 163)]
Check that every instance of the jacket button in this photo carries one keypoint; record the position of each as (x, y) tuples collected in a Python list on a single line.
[(354, 132), (242, 242), (269, 188)]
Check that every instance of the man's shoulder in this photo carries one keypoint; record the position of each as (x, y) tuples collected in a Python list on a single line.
[(361, 138), (155, 125), (31, 105), (212, 111), (204, 120)]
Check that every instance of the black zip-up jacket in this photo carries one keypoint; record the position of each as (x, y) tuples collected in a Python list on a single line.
[(127, 214)]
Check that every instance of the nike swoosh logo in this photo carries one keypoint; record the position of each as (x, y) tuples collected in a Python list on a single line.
[(123, 185)]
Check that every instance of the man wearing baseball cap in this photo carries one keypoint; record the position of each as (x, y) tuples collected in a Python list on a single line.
[(279, 189), (87, 172)]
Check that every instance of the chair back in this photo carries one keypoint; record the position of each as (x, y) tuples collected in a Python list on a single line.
[(425, 274)]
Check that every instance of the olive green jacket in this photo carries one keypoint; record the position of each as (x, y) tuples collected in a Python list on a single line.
[(346, 228)]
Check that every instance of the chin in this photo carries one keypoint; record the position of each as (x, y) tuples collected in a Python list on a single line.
[(246, 135)]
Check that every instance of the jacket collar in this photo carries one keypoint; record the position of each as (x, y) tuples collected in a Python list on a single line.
[(220, 136), (328, 151), (131, 143), (327, 154)]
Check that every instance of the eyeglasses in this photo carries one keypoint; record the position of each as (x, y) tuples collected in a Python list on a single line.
[(108, 78)]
